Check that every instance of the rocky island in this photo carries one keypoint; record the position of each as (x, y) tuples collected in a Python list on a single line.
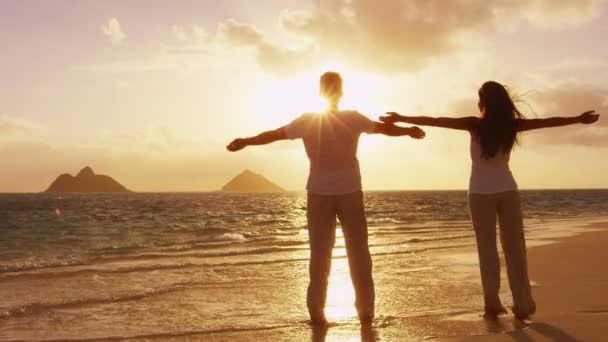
[(248, 181), (85, 181)]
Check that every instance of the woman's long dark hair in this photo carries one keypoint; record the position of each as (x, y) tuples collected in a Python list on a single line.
[(497, 130)]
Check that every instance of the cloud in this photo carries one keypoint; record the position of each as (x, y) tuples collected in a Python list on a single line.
[(181, 59), (272, 57), (570, 99), (557, 14), (10, 126), (190, 33), (397, 36), (240, 33), (113, 31), (15, 128), (193, 43)]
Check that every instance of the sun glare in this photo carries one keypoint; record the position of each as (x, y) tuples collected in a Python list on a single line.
[(280, 101), (340, 293)]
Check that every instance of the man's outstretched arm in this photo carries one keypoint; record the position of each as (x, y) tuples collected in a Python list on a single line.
[(397, 131), (260, 139)]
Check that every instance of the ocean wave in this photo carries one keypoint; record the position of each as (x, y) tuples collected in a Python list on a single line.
[(177, 334), (97, 265), (34, 308), (270, 222), (209, 242), (212, 254), (104, 264), (33, 266), (429, 238), (96, 270), (216, 266)]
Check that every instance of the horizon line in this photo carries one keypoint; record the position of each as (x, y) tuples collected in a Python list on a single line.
[(261, 192)]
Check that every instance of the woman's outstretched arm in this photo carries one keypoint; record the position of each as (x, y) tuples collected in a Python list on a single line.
[(587, 117), (465, 124)]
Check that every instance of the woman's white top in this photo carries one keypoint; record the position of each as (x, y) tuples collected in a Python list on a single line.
[(489, 176)]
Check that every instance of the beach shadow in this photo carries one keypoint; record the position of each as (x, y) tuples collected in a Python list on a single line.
[(553, 332), (367, 332), (549, 331)]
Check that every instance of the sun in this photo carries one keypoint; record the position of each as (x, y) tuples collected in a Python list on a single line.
[(278, 101)]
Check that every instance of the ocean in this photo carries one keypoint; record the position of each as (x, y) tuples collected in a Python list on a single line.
[(220, 266)]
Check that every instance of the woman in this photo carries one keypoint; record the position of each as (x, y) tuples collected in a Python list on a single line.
[(493, 190)]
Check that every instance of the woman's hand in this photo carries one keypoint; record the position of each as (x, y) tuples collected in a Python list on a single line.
[(588, 117), (390, 117), (417, 133)]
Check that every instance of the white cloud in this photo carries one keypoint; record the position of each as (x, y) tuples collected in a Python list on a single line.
[(180, 33), (15, 128), (558, 14), (113, 31), (240, 33), (398, 35), (190, 33)]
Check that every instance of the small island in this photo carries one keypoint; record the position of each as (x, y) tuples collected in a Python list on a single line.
[(248, 181), (85, 181)]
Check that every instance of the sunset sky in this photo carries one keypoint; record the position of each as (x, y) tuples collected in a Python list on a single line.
[(150, 92)]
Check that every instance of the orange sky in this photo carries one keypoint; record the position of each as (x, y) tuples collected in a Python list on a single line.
[(151, 96)]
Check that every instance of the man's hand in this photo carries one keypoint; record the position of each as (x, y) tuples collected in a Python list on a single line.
[(588, 117), (236, 145), (390, 118), (417, 133)]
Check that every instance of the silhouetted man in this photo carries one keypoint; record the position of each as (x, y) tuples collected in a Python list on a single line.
[(334, 189)]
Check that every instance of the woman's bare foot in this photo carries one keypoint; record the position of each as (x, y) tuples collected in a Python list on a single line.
[(524, 314)]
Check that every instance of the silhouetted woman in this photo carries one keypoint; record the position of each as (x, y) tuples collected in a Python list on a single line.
[(493, 190)]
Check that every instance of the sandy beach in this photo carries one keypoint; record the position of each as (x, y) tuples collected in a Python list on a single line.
[(571, 293)]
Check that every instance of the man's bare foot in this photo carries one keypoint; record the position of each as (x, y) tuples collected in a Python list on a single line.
[(493, 313), (318, 320)]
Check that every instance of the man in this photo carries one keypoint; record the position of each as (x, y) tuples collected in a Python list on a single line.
[(334, 189)]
